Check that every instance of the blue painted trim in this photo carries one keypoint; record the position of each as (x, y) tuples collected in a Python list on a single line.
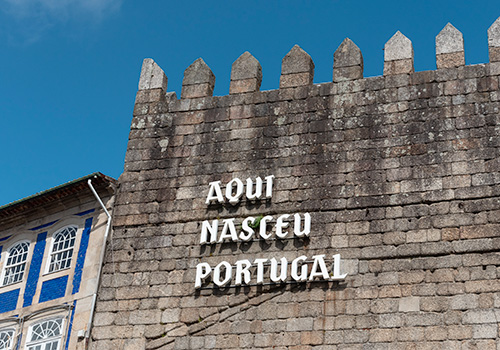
[(84, 244), (43, 226), (35, 267), (8, 300), (53, 289), (5, 238), (86, 212), (70, 326)]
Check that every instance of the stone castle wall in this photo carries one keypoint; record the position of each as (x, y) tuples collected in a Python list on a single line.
[(400, 174)]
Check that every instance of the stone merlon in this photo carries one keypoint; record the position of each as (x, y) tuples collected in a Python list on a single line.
[(398, 55), (449, 48), (494, 41), (347, 62), (297, 68), (246, 74), (152, 76), (198, 80)]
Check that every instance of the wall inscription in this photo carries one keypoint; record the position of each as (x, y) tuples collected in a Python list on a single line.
[(259, 270)]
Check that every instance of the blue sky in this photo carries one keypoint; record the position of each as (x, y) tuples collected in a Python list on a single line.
[(69, 68)]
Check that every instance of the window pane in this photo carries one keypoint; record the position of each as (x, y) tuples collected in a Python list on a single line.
[(62, 249), (45, 335), (6, 339), (52, 345), (16, 263), (46, 329)]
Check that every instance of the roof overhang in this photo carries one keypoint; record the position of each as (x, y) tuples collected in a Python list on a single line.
[(56, 194)]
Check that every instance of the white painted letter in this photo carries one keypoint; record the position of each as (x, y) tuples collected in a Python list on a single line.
[(246, 228), (214, 193), (263, 227), (319, 261), (205, 228), (203, 270), (280, 225), (242, 270), (258, 189), (227, 277), (228, 226), (233, 199), (303, 269), (336, 268), (297, 225), (260, 270), (269, 186), (274, 270)]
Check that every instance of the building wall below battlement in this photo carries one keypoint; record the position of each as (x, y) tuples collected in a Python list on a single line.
[(399, 173)]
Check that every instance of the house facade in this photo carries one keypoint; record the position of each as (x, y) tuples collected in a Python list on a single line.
[(51, 248)]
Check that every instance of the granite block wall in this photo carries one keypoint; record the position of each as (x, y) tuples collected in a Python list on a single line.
[(400, 174)]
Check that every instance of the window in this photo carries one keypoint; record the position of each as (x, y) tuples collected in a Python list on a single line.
[(62, 249), (16, 263), (45, 335), (6, 339)]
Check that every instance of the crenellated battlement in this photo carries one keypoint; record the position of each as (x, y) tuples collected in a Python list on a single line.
[(297, 67)]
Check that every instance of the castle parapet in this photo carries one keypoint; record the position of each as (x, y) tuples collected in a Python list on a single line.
[(297, 67)]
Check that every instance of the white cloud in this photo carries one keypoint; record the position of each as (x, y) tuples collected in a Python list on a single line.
[(35, 17), (37, 8)]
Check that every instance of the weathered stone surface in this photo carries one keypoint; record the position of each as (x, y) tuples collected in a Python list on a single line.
[(400, 174), (398, 47), (347, 62), (297, 61), (449, 40), (347, 73), (246, 74), (347, 55), (152, 76), (398, 55), (246, 67), (196, 91), (198, 80), (198, 73), (246, 85), (449, 60), (297, 68), (449, 48), (494, 41), (295, 80), (494, 34), (398, 67)]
